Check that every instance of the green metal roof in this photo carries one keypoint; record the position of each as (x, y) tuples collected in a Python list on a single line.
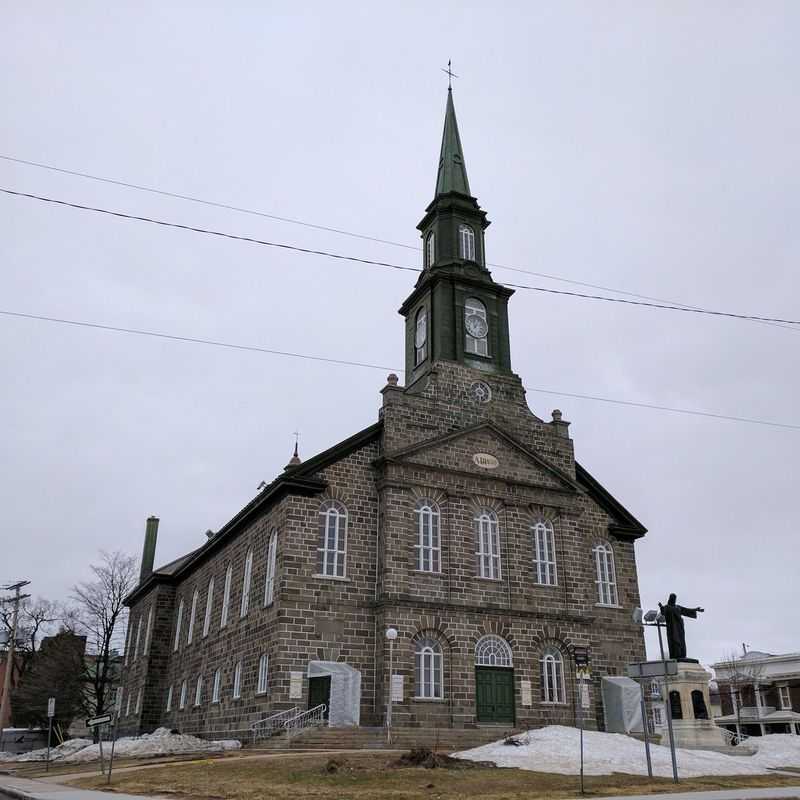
[(452, 176)]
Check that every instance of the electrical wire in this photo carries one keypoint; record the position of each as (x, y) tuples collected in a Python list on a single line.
[(372, 262), (305, 356)]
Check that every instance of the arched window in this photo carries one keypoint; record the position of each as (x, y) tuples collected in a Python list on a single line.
[(487, 539), (333, 539), (198, 691), (209, 607), (269, 585), (178, 624), (552, 670), (192, 615), (605, 578), (428, 673), (428, 544), (169, 699), (699, 705), (544, 552), (466, 243), (182, 703), (138, 635), (226, 596), (675, 707), (215, 687), (246, 578), (476, 326), (492, 651), (421, 337), (263, 666), (430, 249), (149, 630), (237, 680)]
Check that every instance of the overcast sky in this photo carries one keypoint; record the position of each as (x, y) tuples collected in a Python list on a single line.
[(646, 147)]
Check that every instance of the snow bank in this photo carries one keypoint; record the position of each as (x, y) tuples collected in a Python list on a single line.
[(557, 749), (159, 743)]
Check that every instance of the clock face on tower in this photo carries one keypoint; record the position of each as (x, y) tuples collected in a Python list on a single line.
[(476, 326)]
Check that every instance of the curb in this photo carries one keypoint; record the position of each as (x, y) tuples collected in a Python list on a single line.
[(17, 794)]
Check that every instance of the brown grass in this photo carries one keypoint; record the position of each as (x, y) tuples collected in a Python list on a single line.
[(375, 777)]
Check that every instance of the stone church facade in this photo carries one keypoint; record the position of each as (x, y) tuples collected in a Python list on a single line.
[(459, 519)]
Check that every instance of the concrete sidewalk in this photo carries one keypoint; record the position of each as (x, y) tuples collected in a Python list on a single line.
[(25, 789)]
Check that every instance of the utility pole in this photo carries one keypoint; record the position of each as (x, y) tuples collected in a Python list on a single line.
[(4, 703)]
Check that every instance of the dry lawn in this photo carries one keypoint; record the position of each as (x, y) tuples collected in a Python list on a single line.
[(374, 777)]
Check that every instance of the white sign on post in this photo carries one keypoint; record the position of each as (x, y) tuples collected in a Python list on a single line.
[(295, 685), (585, 702), (397, 688), (51, 707)]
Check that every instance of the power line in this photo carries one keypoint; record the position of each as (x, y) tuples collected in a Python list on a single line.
[(342, 232), (257, 349), (372, 262)]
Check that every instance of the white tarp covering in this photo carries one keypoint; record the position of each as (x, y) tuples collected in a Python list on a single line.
[(622, 705), (345, 703)]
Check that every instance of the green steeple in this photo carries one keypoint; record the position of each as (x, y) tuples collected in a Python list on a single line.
[(452, 176)]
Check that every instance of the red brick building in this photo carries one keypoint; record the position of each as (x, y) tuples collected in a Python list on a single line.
[(459, 518)]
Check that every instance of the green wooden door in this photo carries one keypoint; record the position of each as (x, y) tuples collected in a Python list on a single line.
[(319, 691), (494, 694)]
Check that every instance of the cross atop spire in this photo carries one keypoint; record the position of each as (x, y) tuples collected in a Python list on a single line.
[(450, 75), (452, 175)]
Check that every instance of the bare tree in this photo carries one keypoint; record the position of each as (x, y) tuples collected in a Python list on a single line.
[(37, 619), (739, 676), (98, 614)]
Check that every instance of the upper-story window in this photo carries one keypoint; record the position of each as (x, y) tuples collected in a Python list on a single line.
[(138, 635), (544, 552), (149, 631), (182, 701), (785, 698), (198, 691), (269, 584), (263, 666), (215, 687), (428, 546), (169, 699), (605, 578), (487, 539), (178, 623), (552, 676), (237, 680), (477, 327), (430, 249), (333, 539), (209, 607), (428, 677), (226, 596), (466, 243), (421, 337), (192, 616), (246, 579)]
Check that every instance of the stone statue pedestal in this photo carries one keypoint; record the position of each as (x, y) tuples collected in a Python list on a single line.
[(692, 725)]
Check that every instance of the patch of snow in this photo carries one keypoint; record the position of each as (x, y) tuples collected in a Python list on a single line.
[(6, 756), (557, 749), (56, 753)]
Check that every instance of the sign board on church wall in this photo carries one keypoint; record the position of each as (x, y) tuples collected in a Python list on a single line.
[(525, 691), (485, 461), (397, 688), (295, 685)]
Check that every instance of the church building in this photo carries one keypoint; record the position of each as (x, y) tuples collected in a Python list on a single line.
[(459, 520)]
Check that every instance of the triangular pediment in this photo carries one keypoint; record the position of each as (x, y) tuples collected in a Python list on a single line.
[(488, 451)]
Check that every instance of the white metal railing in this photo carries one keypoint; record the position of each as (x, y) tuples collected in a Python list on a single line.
[(271, 725), (305, 719), (733, 738)]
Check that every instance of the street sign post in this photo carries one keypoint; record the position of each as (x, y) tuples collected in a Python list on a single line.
[(51, 712), (103, 719), (581, 658)]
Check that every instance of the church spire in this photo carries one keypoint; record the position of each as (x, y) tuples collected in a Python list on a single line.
[(452, 176)]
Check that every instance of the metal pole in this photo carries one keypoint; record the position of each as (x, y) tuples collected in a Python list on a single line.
[(389, 707), (49, 736), (4, 702), (100, 740), (669, 705), (113, 744), (580, 724), (646, 733)]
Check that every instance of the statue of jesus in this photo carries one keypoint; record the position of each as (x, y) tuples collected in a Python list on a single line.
[(673, 616)]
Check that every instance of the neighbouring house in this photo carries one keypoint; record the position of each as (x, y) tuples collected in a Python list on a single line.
[(459, 520), (759, 693)]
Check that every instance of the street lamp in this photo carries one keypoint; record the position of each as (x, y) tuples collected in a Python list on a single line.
[(391, 635)]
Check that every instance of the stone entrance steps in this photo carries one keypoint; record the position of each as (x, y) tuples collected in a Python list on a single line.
[(442, 739)]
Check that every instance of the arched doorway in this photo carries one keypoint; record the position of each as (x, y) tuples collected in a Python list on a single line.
[(494, 680)]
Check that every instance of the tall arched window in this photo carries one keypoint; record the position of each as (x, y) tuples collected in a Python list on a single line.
[(192, 615), (466, 242), (178, 624), (333, 539), (209, 606), (269, 585), (138, 635), (421, 337), (544, 552), (552, 671), (226, 596), (476, 327), (428, 671), (675, 707), (487, 539), (246, 579), (428, 544), (492, 651), (605, 578), (430, 249)]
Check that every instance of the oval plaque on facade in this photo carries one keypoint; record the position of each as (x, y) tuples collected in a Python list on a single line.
[(485, 460)]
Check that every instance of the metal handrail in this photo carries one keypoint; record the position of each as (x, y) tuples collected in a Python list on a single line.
[(305, 719), (272, 724), (732, 738)]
